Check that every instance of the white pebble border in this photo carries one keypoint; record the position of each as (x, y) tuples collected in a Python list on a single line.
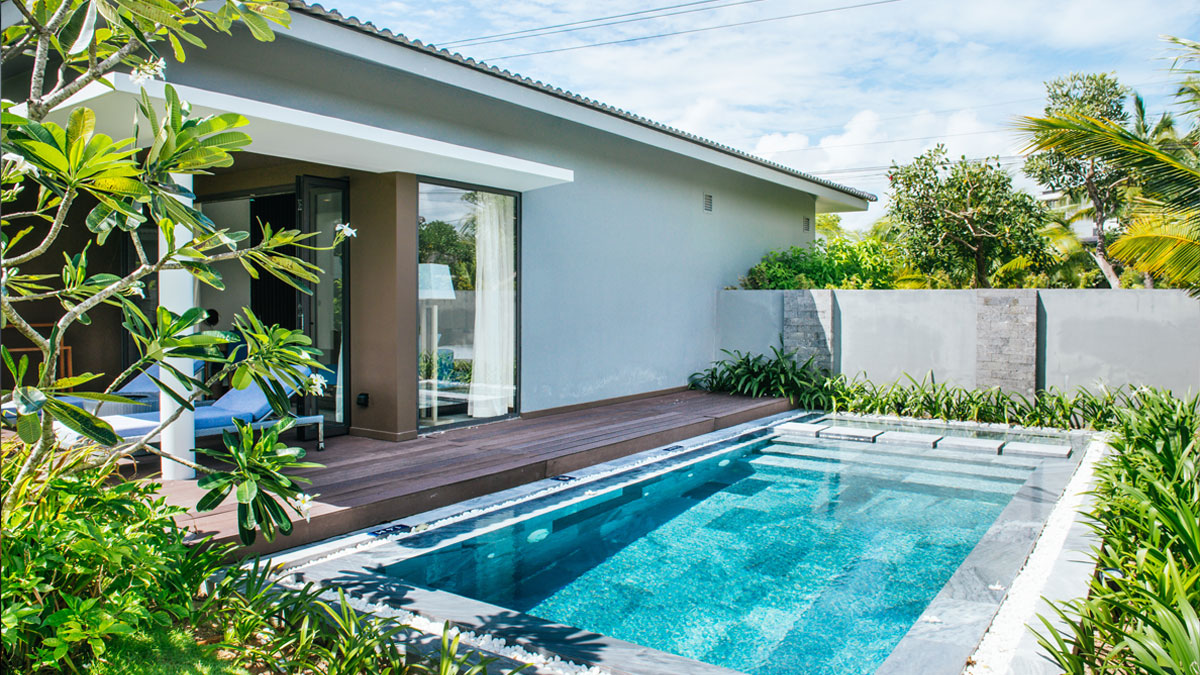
[(1019, 609)]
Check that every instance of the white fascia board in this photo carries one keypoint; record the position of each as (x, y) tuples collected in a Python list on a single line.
[(296, 134), (327, 35)]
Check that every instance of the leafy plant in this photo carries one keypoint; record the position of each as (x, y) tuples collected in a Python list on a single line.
[(87, 558), (834, 263), (963, 217), (1141, 614)]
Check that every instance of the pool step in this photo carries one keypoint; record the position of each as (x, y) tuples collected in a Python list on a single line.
[(966, 457), (782, 464), (868, 456)]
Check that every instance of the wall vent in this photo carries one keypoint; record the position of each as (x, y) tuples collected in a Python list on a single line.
[(807, 224), (708, 203)]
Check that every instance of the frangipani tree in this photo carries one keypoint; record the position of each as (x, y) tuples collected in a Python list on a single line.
[(47, 168)]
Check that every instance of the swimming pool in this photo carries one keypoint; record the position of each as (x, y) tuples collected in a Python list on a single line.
[(783, 553)]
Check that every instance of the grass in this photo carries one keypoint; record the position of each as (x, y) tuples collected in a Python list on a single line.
[(166, 651)]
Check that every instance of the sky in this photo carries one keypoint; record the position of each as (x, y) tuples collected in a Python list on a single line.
[(841, 91)]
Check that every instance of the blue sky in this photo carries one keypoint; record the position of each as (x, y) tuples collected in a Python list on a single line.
[(840, 94)]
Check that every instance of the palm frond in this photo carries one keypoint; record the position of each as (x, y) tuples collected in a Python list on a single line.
[(1164, 246), (1163, 175)]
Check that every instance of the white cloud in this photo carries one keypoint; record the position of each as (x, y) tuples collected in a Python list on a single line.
[(827, 92)]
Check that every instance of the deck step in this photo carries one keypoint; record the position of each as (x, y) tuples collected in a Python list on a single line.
[(781, 464), (911, 462)]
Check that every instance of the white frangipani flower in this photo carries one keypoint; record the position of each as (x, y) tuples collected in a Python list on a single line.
[(137, 292), (304, 504), (149, 70), (317, 384), (345, 230), (19, 163)]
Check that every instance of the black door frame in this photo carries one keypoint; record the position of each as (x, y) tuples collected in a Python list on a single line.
[(305, 316)]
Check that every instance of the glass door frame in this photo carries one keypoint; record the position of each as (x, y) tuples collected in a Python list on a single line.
[(517, 268), (306, 318)]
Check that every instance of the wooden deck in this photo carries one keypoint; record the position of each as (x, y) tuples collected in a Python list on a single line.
[(367, 482)]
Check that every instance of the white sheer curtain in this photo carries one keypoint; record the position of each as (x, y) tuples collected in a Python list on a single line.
[(491, 392)]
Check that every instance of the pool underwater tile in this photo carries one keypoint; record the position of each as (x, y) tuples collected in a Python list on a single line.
[(738, 519), (748, 487)]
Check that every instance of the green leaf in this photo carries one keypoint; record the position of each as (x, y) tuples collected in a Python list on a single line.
[(29, 428), (29, 400), (82, 422), (246, 491)]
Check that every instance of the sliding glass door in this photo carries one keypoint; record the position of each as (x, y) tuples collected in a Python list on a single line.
[(324, 204), (467, 300)]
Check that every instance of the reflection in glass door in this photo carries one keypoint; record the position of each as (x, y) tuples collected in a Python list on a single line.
[(323, 204), (467, 298)]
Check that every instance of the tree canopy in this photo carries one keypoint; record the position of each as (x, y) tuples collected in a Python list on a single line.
[(963, 217)]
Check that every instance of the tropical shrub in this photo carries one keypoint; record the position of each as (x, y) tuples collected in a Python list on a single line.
[(92, 560), (86, 558), (815, 389), (834, 263), (1142, 613)]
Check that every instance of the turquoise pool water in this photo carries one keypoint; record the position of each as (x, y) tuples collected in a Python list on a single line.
[(806, 556)]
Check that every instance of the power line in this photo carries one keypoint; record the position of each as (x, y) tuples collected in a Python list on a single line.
[(892, 140), (1002, 159), (538, 32), (694, 30)]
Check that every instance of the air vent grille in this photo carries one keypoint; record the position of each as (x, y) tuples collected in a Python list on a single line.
[(807, 224), (708, 203)]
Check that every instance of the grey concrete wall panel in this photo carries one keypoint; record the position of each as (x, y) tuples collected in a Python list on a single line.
[(1133, 337), (886, 335)]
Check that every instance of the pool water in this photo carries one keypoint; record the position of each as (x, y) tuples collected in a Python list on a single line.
[(782, 556)]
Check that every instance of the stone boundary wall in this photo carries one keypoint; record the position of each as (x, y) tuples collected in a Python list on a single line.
[(1021, 340)]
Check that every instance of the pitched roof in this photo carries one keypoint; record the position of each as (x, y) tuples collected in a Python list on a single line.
[(332, 15)]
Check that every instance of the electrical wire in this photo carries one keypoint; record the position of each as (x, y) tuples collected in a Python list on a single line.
[(694, 30), (538, 32)]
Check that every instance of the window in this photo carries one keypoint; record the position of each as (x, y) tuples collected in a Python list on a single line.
[(467, 299)]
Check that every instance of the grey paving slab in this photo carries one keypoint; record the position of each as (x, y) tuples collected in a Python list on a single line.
[(850, 434), (909, 438), (1037, 449), (801, 428), (969, 443)]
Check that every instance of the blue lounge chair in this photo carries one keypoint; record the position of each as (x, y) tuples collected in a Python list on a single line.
[(140, 389), (249, 405)]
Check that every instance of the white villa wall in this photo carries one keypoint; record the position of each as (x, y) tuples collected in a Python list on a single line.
[(618, 268)]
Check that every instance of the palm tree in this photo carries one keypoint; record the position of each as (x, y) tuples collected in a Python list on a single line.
[(1163, 239)]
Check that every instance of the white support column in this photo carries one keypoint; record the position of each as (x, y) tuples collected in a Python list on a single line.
[(177, 292)]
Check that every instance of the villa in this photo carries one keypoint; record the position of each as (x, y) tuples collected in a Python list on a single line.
[(519, 249)]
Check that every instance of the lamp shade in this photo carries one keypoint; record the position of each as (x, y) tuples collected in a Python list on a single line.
[(433, 282)]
